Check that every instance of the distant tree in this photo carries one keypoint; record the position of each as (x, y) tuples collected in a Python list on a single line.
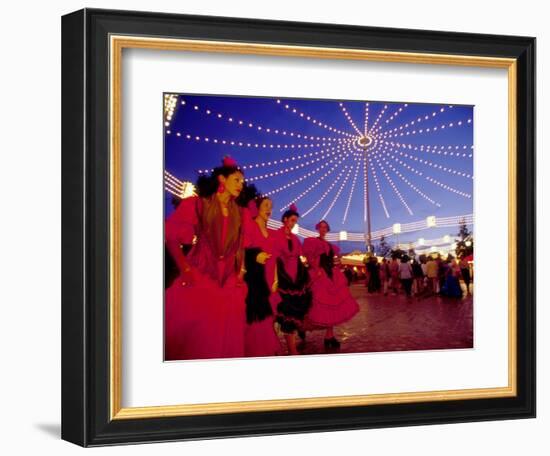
[(465, 243), (463, 231)]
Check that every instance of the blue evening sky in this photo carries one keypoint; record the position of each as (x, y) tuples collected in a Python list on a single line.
[(405, 176)]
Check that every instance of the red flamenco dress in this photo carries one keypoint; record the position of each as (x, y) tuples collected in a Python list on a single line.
[(206, 317), (293, 280), (261, 301), (333, 303)]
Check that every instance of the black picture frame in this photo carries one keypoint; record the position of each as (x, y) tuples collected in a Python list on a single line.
[(86, 410)]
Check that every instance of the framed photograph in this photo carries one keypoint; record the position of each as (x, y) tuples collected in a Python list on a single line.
[(277, 227)]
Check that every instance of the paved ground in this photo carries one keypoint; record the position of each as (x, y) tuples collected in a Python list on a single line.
[(390, 323)]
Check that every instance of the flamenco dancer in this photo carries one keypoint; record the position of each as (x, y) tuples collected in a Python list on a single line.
[(293, 280), (261, 278), (332, 300), (205, 305)]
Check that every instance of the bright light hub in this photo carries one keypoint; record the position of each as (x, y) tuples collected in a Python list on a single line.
[(365, 141)]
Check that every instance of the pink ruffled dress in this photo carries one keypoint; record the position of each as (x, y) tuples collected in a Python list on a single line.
[(333, 303), (206, 318)]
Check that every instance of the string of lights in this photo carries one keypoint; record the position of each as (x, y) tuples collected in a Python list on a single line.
[(291, 168), (249, 144), (325, 215), (173, 192), (175, 188), (418, 120), (170, 103), (394, 115), (410, 184), (352, 190), (453, 151), (433, 165), (312, 120), (378, 234), (379, 191), (247, 124), (172, 177), (373, 128), (421, 131), (350, 120), (394, 187), (431, 179), (311, 187), (283, 160), (312, 173), (448, 187), (327, 191), (366, 118)]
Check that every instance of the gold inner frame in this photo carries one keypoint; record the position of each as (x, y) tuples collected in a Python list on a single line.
[(117, 44)]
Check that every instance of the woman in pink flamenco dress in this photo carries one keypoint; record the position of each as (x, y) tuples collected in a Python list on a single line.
[(205, 304), (333, 303), (260, 338), (293, 281)]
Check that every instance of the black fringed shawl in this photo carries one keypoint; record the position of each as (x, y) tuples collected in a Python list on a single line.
[(258, 306), (326, 260)]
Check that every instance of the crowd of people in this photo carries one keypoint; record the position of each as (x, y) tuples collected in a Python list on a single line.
[(235, 280), (415, 277)]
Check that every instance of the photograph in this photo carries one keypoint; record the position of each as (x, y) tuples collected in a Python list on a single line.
[(297, 227), (280, 227)]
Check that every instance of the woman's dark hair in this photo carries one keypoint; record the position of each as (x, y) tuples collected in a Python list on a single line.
[(207, 185), (259, 199), (319, 224), (289, 213)]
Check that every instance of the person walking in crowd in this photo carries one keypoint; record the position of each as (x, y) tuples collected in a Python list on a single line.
[(384, 276), (418, 276), (205, 305), (465, 271), (451, 285), (441, 271), (394, 275), (424, 266), (293, 280), (261, 278), (374, 275), (406, 274), (332, 303), (432, 271)]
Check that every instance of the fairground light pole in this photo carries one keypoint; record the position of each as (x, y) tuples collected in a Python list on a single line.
[(365, 142)]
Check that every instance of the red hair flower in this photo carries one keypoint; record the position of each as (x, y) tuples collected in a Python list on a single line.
[(229, 162)]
